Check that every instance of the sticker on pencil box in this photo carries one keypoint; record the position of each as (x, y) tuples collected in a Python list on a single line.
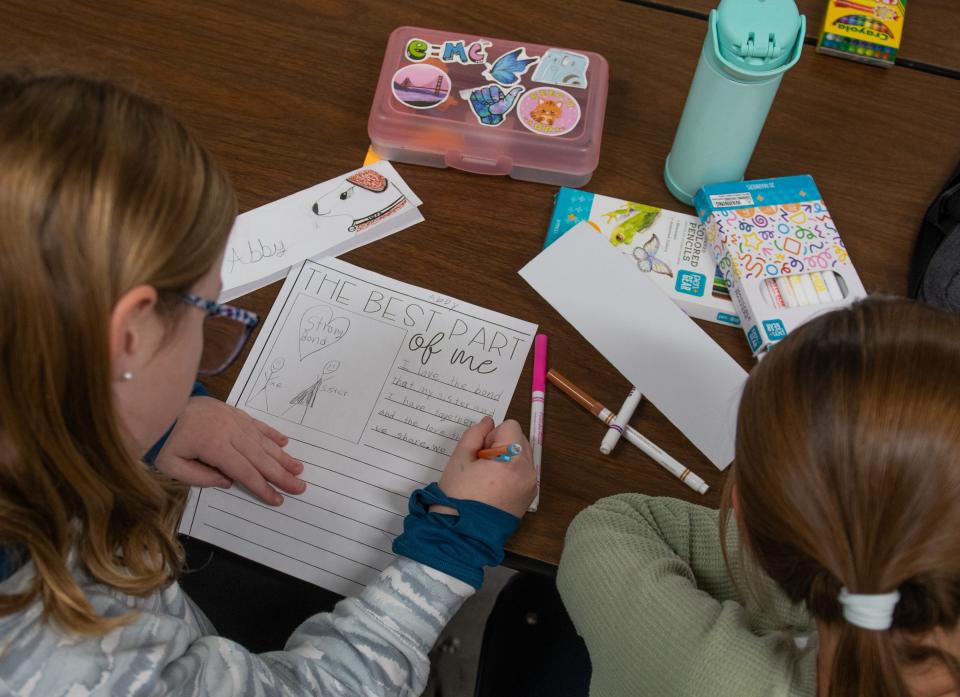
[(421, 86), (739, 199), (474, 53), (548, 111), (510, 66), (562, 68), (490, 103)]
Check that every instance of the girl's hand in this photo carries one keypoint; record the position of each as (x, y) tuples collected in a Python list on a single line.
[(509, 486), (215, 444)]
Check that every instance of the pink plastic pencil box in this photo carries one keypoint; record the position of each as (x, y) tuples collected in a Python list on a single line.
[(490, 106)]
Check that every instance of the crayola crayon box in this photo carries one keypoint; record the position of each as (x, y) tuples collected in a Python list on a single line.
[(864, 30), (669, 247), (776, 245)]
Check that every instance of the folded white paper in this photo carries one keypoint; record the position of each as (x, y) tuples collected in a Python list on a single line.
[(328, 219), (673, 362)]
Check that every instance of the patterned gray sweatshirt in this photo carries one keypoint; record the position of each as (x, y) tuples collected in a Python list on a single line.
[(375, 644)]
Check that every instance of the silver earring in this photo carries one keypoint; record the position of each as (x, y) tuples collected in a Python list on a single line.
[(127, 376)]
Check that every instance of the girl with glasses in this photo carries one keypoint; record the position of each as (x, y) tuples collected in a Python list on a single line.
[(113, 223)]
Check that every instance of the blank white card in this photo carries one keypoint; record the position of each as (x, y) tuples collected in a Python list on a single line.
[(674, 363)]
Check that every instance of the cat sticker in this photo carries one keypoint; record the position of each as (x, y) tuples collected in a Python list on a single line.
[(548, 111)]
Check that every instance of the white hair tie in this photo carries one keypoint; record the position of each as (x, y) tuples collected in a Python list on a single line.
[(874, 611)]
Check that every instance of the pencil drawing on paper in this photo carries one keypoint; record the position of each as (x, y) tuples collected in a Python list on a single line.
[(268, 378), (364, 199), (307, 397), (320, 329), (324, 367)]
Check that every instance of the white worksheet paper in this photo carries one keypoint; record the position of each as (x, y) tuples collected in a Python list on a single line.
[(374, 381), (328, 219), (628, 319)]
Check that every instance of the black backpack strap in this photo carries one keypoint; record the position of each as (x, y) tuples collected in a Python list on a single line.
[(930, 269)]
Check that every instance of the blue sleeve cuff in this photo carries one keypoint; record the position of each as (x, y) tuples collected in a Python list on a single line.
[(458, 545), (151, 457)]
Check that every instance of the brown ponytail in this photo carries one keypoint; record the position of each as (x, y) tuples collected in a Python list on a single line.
[(848, 474)]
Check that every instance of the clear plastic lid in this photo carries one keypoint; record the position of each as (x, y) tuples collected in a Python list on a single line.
[(488, 105)]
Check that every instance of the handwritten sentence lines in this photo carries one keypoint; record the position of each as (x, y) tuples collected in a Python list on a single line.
[(404, 438), (441, 439), (415, 424), (426, 392), (462, 421), (455, 385)]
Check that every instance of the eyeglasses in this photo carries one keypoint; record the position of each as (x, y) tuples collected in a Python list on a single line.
[(225, 331)]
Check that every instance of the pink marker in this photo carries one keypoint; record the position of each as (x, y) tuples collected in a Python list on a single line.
[(536, 406)]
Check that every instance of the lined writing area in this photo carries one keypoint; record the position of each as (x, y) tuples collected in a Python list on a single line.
[(374, 382), (422, 413), (337, 534)]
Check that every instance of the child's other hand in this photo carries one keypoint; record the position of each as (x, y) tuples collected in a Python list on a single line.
[(215, 444), (509, 486)]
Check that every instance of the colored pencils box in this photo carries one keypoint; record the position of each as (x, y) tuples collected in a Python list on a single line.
[(669, 247), (779, 251), (863, 30)]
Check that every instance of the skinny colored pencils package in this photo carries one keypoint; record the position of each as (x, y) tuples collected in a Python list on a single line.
[(777, 247)]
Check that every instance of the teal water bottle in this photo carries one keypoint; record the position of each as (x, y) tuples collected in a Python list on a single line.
[(750, 44)]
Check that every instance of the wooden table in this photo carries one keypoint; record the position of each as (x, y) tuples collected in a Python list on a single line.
[(281, 96)]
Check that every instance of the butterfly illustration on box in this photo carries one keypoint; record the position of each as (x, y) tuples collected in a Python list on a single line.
[(508, 68), (646, 256)]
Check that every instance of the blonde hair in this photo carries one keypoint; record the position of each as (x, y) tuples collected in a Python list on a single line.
[(100, 191), (847, 470)]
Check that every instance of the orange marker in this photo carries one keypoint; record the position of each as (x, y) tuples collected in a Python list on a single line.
[(500, 452)]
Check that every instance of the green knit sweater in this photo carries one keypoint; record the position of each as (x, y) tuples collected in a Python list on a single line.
[(645, 582)]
